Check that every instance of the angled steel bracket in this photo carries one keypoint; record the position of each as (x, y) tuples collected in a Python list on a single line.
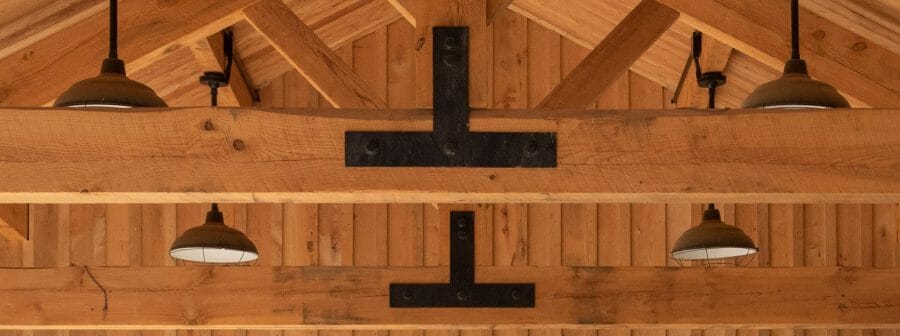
[(462, 291), (451, 144)]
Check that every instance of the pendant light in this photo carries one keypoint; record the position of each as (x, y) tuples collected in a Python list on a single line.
[(111, 88), (795, 89), (214, 243), (713, 239)]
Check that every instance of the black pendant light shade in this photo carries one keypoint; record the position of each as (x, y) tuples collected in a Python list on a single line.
[(214, 243), (112, 88), (795, 89), (713, 239)]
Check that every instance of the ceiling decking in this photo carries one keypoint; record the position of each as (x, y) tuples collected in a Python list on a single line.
[(852, 44)]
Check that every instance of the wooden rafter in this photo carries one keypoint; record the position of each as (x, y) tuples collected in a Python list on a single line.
[(25, 81), (210, 55), (612, 57), (255, 155), (24, 22), (836, 55), (300, 46), (357, 298)]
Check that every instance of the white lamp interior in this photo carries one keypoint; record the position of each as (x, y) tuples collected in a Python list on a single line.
[(712, 253), (213, 255)]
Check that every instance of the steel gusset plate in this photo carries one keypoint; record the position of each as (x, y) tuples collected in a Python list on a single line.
[(478, 149)]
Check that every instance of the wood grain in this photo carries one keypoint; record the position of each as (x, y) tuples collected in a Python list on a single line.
[(613, 56), (300, 46), (348, 298), (646, 156)]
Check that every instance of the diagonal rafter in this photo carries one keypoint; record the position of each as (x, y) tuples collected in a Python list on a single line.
[(300, 46), (75, 52), (612, 57), (853, 64)]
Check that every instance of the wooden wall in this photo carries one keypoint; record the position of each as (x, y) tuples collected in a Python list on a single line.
[(527, 62)]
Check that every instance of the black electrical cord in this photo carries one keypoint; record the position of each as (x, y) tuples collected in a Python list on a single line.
[(113, 29), (795, 29)]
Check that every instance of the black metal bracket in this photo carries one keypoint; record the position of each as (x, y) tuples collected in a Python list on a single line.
[(462, 291), (451, 144)]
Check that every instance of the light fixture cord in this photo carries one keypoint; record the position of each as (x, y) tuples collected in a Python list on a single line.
[(795, 29), (712, 96), (113, 29)]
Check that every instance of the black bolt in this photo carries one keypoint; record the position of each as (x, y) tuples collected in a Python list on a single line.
[(462, 295), (462, 235), (208, 125), (532, 148), (407, 295), (451, 60), (515, 295), (450, 43), (238, 144), (450, 148), (373, 146)]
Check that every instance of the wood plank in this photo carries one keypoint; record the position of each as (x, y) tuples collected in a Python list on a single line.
[(300, 46), (297, 155), (613, 56), (24, 22), (496, 8), (152, 31), (405, 9), (354, 298), (336, 23), (14, 221), (210, 56), (586, 23), (865, 71)]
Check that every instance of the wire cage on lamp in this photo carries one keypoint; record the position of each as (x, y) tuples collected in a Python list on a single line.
[(714, 243)]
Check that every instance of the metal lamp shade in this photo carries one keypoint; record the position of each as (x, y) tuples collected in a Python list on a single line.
[(214, 243), (713, 239), (794, 90), (110, 89)]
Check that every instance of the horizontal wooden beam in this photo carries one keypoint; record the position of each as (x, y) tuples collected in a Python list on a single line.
[(257, 155), (357, 298)]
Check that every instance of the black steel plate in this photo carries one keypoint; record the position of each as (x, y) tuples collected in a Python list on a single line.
[(479, 295), (479, 149)]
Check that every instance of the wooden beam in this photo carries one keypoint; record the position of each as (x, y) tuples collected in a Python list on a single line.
[(14, 221), (149, 31), (257, 155), (357, 298), (210, 54), (405, 9), (836, 55), (320, 65), (612, 57)]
